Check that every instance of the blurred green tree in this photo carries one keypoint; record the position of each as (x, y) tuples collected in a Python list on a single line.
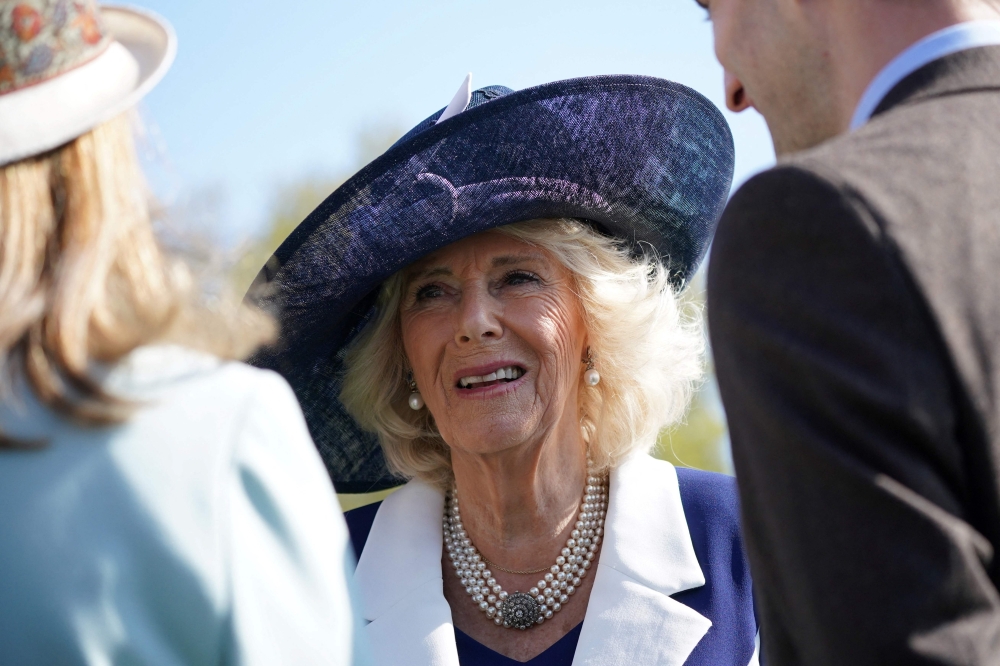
[(699, 440)]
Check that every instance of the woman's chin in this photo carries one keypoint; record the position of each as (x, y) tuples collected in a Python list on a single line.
[(491, 437)]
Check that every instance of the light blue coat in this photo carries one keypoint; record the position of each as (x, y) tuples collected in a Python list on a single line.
[(202, 531)]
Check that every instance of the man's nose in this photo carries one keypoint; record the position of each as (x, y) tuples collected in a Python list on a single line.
[(736, 96), (478, 317)]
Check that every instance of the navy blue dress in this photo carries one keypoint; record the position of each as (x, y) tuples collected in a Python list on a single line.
[(712, 510)]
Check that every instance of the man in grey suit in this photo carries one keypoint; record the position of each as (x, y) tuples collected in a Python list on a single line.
[(854, 309)]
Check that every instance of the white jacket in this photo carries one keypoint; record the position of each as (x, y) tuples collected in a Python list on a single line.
[(202, 531)]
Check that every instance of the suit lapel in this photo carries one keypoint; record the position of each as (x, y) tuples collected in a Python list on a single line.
[(399, 581), (631, 618)]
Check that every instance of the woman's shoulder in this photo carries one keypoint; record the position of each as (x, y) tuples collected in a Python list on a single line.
[(710, 499), (163, 383), (160, 369), (712, 509), (359, 525), (196, 419), (215, 396)]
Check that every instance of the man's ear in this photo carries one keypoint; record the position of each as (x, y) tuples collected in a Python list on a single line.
[(736, 96)]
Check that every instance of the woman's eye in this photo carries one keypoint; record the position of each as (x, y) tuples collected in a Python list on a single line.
[(519, 277), (428, 291)]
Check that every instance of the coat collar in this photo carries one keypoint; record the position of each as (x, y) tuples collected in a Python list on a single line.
[(647, 557), (138, 376), (964, 71)]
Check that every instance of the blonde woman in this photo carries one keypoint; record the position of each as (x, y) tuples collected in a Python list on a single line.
[(494, 301), (159, 502)]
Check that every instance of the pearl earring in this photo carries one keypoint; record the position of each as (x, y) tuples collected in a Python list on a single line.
[(591, 376), (416, 400)]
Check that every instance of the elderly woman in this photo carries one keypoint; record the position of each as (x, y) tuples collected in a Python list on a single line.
[(495, 298)]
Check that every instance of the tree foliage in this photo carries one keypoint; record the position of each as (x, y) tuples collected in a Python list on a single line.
[(294, 200)]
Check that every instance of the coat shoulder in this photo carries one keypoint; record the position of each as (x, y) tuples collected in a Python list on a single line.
[(709, 494), (712, 509)]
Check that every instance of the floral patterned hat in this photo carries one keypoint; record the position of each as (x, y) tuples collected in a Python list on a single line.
[(66, 66)]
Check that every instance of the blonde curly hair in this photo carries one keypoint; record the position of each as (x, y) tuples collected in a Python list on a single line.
[(648, 345)]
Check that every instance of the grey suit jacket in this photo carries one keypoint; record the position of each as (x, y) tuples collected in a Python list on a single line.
[(854, 309)]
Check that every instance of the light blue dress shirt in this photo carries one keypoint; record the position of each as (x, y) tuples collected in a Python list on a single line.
[(203, 530), (952, 39)]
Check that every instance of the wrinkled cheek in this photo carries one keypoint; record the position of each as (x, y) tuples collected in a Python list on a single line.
[(558, 363), (423, 345)]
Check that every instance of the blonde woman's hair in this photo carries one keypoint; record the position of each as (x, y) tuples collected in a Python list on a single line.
[(648, 348), (83, 278)]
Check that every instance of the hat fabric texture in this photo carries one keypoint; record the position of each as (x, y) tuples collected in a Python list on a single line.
[(645, 160), (67, 66)]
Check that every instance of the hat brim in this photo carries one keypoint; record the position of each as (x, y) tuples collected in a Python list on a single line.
[(646, 160), (48, 114)]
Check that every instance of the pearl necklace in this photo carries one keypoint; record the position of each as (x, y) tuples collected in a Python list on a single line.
[(522, 610)]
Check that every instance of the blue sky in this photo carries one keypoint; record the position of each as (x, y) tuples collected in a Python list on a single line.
[(265, 93)]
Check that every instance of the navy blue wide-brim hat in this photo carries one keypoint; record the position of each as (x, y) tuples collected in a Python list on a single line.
[(645, 160)]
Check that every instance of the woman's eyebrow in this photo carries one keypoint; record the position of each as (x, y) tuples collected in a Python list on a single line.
[(497, 262), (510, 259), (437, 271)]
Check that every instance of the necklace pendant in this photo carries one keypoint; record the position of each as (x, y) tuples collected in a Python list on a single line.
[(520, 611)]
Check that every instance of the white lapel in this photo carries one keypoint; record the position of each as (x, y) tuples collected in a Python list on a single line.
[(631, 619), (646, 557), (399, 581)]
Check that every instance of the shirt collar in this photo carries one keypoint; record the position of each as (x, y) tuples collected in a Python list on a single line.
[(959, 37)]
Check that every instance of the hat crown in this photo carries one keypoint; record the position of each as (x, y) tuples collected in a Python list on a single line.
[(479, 97), (41, 39), (487, 94)]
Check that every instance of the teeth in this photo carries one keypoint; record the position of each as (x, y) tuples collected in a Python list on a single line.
[(510, 372)]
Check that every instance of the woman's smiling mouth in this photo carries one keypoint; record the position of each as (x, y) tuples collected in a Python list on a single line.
[(501, 375)]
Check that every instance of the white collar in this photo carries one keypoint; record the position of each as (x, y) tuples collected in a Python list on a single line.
[(952, 39), (647, 557)]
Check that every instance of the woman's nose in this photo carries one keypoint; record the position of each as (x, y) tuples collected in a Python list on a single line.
[(478, 318)]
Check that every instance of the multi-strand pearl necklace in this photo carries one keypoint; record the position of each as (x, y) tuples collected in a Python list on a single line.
[(523, 610)]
